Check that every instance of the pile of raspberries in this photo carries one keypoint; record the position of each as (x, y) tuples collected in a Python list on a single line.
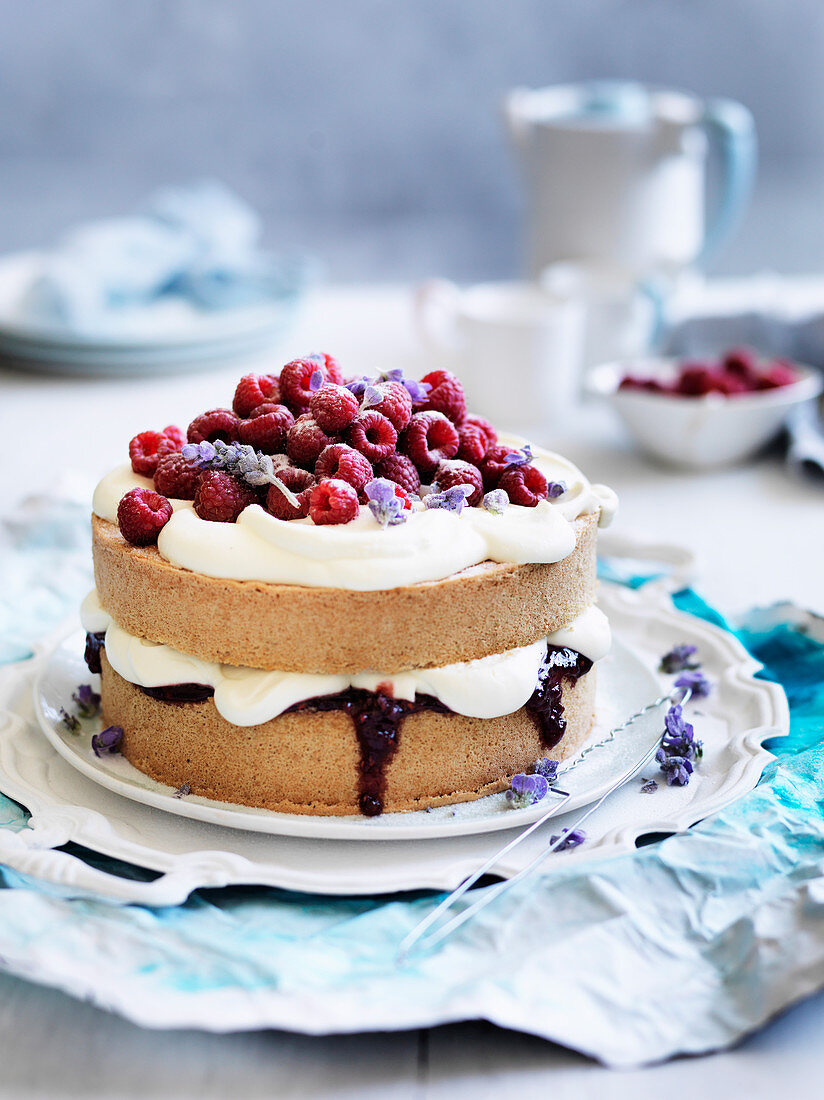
[(326, 444), (737, 371)]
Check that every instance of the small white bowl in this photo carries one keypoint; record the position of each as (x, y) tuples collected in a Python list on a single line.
[(699, 432)]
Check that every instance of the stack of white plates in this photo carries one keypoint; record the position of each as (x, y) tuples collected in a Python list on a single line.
[(168, 335)]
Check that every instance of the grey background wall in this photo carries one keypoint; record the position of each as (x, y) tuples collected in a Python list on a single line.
[(368, 130)]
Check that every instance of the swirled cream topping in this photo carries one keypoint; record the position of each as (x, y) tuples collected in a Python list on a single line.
[(361, 555), (486, 688)]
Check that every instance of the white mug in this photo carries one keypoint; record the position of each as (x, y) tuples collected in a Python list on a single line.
[(515, 345)]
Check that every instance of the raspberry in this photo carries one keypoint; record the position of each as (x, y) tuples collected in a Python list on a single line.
[(524, 485), (777, 375), (254, 390), (456, 472), (267, 428), (221, 497), (175, 477), (429, 439), (301, 482), (401, 470), (344, 463), (146, 450), (473, 445), (372, 434), (305, 441), (494, 464), (647, 385), (171, 431), (695, 381), (446, 396), (403, 498), (489, 432), (333, 501), (743, 363), (212, 425), (396, 404), (333, 407), (296, 376), (330, 366), (141, 515)]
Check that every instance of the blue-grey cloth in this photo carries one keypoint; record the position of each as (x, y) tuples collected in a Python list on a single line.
[(683, 946), (200, 244)]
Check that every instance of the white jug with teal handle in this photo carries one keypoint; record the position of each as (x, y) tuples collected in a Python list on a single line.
[(616, 175)]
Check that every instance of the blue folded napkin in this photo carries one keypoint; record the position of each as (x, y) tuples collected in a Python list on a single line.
[(198, 244)]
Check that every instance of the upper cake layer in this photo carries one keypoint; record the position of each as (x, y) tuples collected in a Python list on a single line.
[(360, 556)]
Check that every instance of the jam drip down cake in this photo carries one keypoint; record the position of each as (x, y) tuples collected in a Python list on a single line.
[(345, 596)]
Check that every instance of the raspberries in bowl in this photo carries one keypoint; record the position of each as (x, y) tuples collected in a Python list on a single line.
[(699, 414), (308, 444)]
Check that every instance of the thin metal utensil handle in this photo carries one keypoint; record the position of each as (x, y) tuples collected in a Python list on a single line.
[(417, 935)]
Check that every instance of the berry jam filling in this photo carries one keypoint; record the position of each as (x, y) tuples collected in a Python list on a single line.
[(544, 705), (94, 643), (377, 719)]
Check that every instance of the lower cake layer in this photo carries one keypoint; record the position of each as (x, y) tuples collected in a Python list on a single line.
[(357, 752)]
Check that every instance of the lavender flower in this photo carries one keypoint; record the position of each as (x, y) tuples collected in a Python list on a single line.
[(548, 769), (555, 489), (452, 499), (383, 504), (679, 736), (107, 741), (526, 790), (357, 386), (372, 395), (571, 839), (677, 769), (519, 458), (69, 721), (418, 391), (86, 701), (241, 461), (696, 681), (182, 790), (650, 786), (496, 502), (678, 659)]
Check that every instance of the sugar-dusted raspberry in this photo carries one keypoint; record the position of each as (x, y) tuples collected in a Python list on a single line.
[(493, 464), (254, 390), (455, 472), (345, 463), (141, 516), (481, 422), (372, 434), (301, 482), (175, 477), (473, 445), (447, 395), (429, 439), (333, 501), (221, 497), (177, 436), (296, 377), (330, 366), (400, 469), (395, 404), (267, 428), (524, 485), (305, 441), (212, 425), (333, 407)]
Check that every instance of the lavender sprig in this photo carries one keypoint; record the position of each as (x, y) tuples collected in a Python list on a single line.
[(696, 681), (677, 769), (526, 790), (452, 500), (418, 391), (678, 659), (69, 721), (107, 741), (679, 736), (555, 489), (548, 769), (519, 458), (241, 461), (572, 838), (385, 506), (86, 701)]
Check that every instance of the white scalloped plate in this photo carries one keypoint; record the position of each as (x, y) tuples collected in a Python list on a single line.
[(67, 806)]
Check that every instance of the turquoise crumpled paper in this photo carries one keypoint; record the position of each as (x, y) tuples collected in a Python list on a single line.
[(681, 947)]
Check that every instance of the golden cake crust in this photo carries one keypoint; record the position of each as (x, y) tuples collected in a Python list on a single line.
[(482, 610), (307, 761)]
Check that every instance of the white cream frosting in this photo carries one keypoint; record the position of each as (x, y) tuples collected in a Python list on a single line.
[(362, 556), (486, 688)]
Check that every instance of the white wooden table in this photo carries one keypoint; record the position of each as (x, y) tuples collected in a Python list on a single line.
[(758, 535)]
